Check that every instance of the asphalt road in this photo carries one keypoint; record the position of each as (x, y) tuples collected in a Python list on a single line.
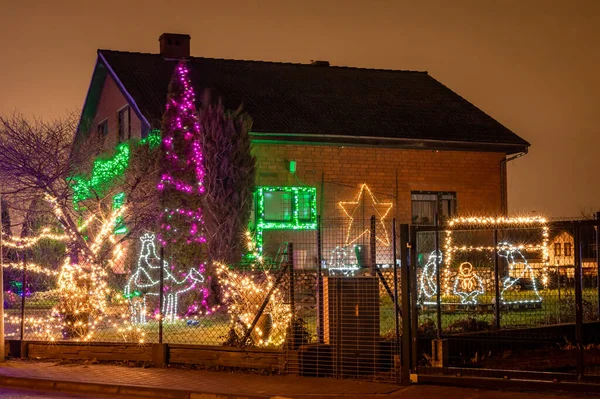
[(28, 394)]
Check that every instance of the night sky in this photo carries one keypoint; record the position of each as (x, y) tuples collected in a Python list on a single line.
[(534, 65)]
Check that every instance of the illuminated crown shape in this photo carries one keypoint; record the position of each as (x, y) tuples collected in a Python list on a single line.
[(148, 237)]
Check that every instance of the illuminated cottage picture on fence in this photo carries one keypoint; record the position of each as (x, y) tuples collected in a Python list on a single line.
[(469, 251)]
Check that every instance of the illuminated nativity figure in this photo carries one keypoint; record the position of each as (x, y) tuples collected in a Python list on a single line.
[(468, 285), (428, 281), (519, 285), (145, 281)]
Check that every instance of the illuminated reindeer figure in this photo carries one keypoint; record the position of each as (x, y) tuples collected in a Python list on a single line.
[(146, 281)]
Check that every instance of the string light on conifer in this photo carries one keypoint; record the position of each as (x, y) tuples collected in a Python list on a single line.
[(185, 106)]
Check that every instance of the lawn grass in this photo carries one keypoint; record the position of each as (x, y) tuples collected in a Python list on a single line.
[(556, 308)]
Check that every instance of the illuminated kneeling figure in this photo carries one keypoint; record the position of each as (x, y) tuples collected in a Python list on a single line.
[(467, 284)]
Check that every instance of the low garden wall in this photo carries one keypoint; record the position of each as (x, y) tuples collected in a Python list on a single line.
[(206, 356)]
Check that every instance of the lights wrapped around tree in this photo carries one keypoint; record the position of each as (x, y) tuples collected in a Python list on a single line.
[(182, 176), (82, 285), (244, 293), (106, 170), (182, 118), (32, 268)]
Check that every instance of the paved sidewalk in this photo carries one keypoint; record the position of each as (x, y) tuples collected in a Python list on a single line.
[(115, 381), (201, 381)]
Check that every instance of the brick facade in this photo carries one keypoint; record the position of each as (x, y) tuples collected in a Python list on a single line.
[(475, 177), (338, 173)]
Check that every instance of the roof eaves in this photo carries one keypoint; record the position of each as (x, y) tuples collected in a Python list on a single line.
[(124, 91), (87, 96), (389, 142)]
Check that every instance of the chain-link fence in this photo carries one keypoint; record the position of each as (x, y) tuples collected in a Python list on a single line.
[(480, 299), (519, 296), (325, 296)]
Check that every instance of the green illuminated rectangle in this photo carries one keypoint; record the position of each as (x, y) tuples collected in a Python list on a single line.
[(284, 208)]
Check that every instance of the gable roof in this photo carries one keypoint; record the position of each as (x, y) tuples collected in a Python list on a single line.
[(315, 103)]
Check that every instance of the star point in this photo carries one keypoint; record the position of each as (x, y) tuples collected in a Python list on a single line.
[(380, 211)]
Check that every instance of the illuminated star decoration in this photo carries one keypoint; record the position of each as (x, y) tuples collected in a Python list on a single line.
[(380, 210)]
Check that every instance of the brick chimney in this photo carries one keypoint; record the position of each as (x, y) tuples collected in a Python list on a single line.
[(174, 45)]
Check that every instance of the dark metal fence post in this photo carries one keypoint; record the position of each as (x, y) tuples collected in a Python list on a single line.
[(438, 280), (373, 243), (320, 316), (414, 313), (496, 281), (598, 260), (23, 284), (578, 300), (394, 259), (161, 288), (338, 328), (292, 295), (405, 291)]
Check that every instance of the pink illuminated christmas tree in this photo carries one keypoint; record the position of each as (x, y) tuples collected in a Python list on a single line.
[(181, 183), (182, 176)]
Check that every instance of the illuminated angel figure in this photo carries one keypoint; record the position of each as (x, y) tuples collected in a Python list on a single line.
[(428, 280), (145, 280), (467, 284), (338, 263), (520, 275)]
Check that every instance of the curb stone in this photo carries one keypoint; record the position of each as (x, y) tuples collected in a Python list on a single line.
[(125, 390)]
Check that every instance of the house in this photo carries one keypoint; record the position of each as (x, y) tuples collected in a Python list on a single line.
[(345, 143), (561, 252)]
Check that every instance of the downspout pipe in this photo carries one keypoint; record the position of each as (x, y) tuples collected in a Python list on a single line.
[(503, 180)]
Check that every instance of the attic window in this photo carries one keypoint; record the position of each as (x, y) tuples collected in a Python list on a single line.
[(568, 251), (102, 128), (124, 124)]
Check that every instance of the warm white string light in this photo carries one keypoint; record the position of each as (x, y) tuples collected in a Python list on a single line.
[(244, 294), (510, 251), (82, 287)]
